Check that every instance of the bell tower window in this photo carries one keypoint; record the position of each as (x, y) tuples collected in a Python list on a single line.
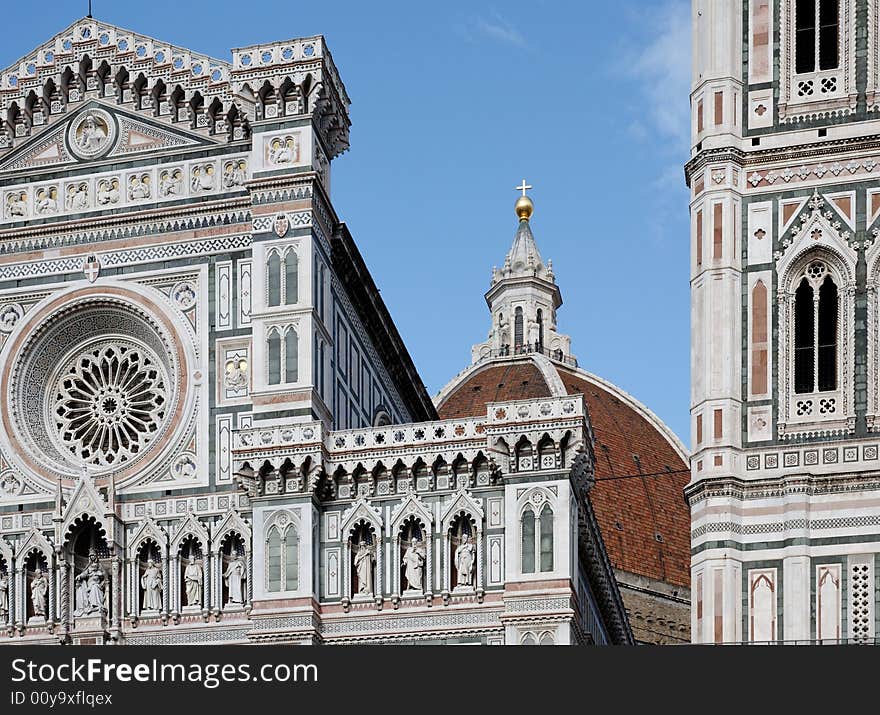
[(817, 35), (815, 332)]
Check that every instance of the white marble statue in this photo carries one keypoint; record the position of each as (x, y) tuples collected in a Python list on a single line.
[(4, 595), (235, 577), (363, 565), (192, 577), (151, 582), (465, 555), (39, 588), (90, 588), (414, 561)]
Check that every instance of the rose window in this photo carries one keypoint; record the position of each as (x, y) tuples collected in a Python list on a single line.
[(98, 382), (110, 403)]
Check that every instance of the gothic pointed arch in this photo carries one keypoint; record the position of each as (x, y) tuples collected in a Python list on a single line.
[(462, 504), (816, 302), (35, 540), (149, 530), (190, 527), (360, 511), (411, 506), (233, 522)]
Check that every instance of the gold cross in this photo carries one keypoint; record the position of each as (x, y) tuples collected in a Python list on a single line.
[(523, 187)]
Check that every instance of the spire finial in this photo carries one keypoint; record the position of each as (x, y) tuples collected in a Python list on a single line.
[(90, 8), (524, 206)]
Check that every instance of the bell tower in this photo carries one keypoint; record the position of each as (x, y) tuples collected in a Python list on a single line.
[(784, 202)]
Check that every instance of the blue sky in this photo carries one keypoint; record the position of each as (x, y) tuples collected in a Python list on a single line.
[(453, 104)]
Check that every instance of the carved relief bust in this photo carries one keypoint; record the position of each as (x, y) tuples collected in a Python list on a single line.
[(91, 134)]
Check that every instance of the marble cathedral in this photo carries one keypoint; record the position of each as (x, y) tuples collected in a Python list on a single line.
[(211, 428), (785, 216)]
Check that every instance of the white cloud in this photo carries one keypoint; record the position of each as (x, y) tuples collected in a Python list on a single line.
[(495, 28), (661, 69)]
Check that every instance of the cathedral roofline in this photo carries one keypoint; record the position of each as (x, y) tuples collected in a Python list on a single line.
[(95, 60), (639, 407)]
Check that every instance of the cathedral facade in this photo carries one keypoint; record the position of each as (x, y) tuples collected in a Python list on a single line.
[(785, 201), (212, 431)]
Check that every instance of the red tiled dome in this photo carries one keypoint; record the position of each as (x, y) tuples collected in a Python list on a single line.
[(644, 521)]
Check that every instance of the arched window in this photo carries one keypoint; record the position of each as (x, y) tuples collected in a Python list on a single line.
[(817, 36), (273, 279), (291, 560), (815, 332), (539, 318), (291, 278), (273, 561), (291, 356), (282, 560), (547, 638), (546, 538), (518, 329), (528, 541), (274, 357), (827, 347), (537, 540), (529, 639)]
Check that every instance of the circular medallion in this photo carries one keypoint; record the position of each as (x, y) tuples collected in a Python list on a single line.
[(9, 316), (91, 134)]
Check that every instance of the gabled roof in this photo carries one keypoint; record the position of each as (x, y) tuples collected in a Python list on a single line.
[(91, 59)]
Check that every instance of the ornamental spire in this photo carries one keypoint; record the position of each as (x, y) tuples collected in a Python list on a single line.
[(524, 206)]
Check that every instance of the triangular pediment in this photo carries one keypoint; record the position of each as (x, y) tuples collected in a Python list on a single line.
[(462, 503), (818, 227), (98, 131)]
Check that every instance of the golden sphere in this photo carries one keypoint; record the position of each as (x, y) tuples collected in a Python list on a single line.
[(524, 208)]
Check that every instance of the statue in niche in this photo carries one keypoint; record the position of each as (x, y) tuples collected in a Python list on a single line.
[(90, 588), (4, 594), (414, 561), (192, 578), (465, 555), (151, 582), (363, 565), (91, 135), (39, 588), (235, 577)]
